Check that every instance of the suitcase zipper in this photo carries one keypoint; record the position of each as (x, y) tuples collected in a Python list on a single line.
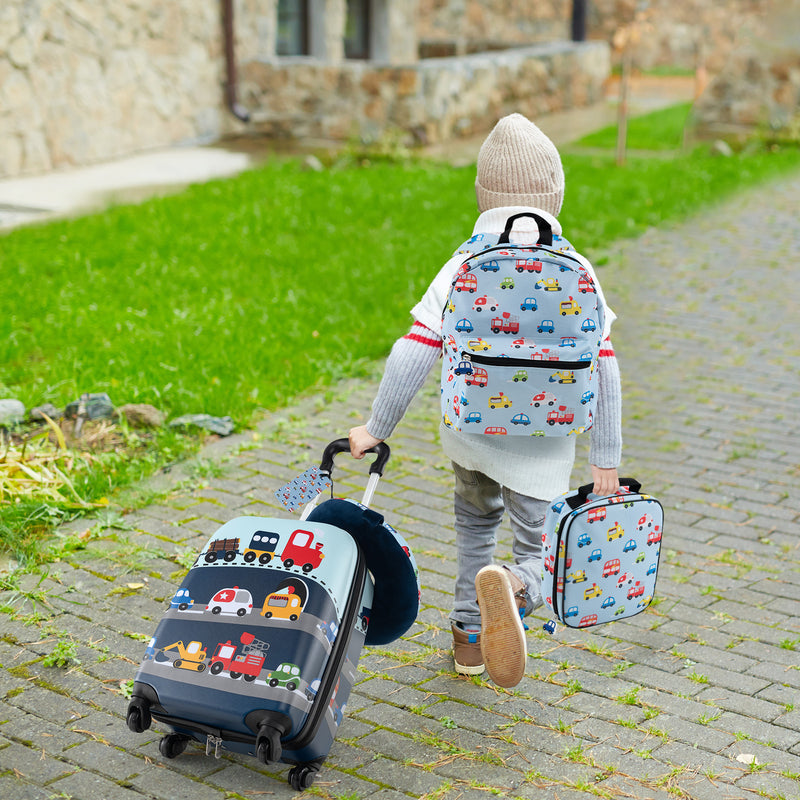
[(502, 361), (215, 742), (329, 679)]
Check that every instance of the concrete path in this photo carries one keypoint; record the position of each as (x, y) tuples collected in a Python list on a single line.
[(697, 698)]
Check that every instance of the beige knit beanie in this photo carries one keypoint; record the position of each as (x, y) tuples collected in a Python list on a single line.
[(519, 166)]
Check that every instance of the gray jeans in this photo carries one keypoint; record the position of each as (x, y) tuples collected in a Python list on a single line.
[(479, 505)]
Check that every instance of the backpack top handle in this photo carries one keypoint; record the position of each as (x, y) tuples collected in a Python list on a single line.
[(545, 229)]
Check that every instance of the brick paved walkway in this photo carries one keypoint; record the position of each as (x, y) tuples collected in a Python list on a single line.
[(697, 698)]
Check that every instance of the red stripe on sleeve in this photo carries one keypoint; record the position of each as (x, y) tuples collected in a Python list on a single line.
[(423, 335), (606, 348)]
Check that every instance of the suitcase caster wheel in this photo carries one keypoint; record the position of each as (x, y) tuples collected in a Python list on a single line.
[(138, 717), (301, 777), (172, 745), (268, 746)]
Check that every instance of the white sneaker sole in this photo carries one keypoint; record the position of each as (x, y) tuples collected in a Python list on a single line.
[(476, 670)]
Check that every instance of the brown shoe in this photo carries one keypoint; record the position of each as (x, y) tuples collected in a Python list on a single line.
[(503, 634), (467, 652)]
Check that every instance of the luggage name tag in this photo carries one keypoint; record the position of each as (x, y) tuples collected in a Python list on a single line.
[(303, 489)]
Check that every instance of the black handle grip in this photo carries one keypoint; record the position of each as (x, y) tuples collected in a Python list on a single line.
[(343, 446), (545, 228), (583, 493)]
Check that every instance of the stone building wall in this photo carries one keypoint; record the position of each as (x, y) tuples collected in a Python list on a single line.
[(455, 27), (83, 81), (88, 80), (679, 32), (433, 99), (758, 85)]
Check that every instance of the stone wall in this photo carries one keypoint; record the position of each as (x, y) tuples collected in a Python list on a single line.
[(83, 81), (678, 30), (433, 99), (758, 85), (677, 33), (87, 80), (456, 27)]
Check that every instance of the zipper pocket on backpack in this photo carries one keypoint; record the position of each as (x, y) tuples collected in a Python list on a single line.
[(501, 361)]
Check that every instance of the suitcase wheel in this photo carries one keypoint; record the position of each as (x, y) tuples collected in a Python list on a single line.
[(268, 745), (138, 717), (301, 777), (173, 744)]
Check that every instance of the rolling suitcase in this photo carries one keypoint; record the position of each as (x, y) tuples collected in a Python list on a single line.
[(600, 555), (258, 650)]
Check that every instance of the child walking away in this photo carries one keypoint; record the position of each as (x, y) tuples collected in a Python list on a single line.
[(519, 176)]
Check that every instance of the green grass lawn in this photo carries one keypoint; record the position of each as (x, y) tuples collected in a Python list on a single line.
[(660, 130), (241, 294)]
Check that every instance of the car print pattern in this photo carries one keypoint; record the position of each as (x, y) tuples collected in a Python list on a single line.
[(600, 560), (520, 323)]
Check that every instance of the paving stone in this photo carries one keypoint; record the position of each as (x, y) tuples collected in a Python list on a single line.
[(163, 782), (414, 781), (758, 730), (695, 758), (84, 785), (740, 703), (103, 759), (247, 780), (770, 784), (33, 765), (13, 788)]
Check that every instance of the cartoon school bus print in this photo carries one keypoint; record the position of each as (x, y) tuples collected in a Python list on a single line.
[(287, 601), (262, 547), (611, 567), (302, 550)]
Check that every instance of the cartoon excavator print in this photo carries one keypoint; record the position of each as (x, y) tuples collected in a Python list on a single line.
[(191, 656)]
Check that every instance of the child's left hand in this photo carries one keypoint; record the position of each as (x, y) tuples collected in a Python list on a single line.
[(606, 481)]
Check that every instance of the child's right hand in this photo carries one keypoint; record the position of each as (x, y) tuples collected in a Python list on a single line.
[(361, 441)]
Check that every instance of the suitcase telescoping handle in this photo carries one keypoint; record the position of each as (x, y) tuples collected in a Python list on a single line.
[(382, 452), (545, 229), (583, 493), (343, 446)]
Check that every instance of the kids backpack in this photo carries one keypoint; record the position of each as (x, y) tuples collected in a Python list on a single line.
[(521, 329)]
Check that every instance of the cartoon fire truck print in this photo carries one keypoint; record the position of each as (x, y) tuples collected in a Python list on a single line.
[(247, 661)]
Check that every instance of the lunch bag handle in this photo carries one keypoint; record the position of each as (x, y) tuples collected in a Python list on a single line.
[(582, 495), (545, 228)]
